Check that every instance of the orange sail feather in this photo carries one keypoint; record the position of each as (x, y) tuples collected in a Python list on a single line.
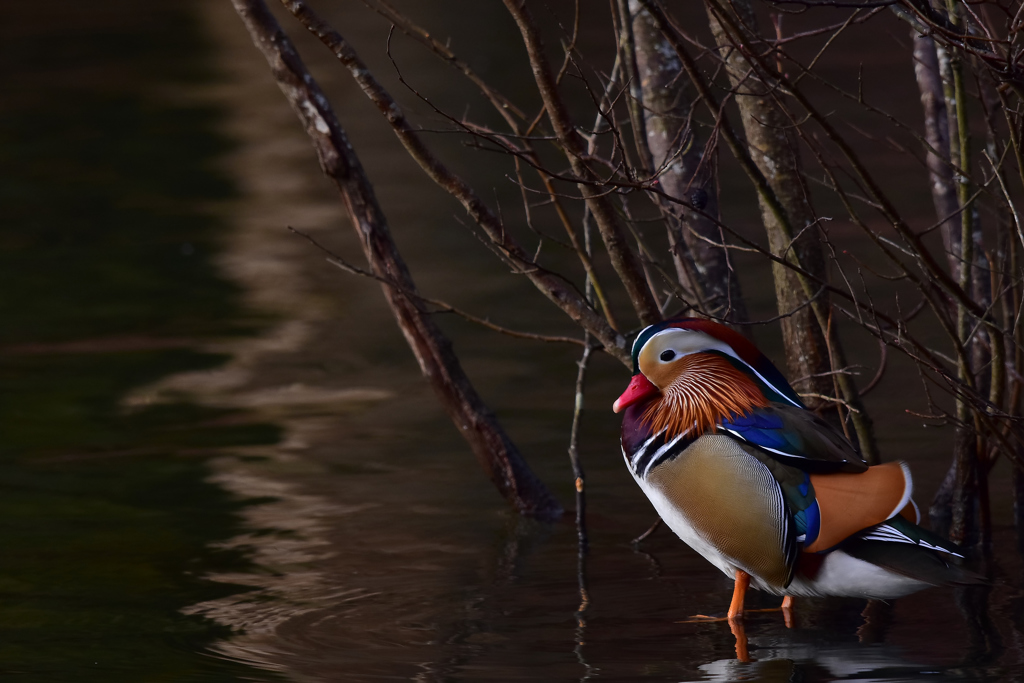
[(851, 502)]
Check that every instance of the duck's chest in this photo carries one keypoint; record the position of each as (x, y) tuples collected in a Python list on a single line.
[(720, 500), (682, 523)]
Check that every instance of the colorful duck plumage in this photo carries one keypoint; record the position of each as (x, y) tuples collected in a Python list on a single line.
[(760, 486)]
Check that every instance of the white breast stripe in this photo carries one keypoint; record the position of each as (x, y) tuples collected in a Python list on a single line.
[(660, 452), (640, 451)]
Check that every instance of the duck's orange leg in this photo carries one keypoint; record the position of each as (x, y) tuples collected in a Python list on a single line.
[(735, 616), (739, 592), (787, 610)]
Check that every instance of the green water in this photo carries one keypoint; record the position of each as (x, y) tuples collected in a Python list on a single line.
[(106, 519)]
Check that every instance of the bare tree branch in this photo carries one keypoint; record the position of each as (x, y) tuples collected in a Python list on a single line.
[(552, 286), (478, 425), (622, 257)]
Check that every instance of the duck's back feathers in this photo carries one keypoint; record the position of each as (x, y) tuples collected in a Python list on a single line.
[(796, 437)]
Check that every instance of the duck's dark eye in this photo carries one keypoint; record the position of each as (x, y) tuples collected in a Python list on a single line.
[(667, 355)]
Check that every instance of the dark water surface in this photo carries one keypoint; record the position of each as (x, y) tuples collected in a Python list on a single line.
[(108, 521), (218, 460)]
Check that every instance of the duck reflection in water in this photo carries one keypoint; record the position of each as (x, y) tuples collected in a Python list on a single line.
[(824, 653), (760, 486), (812, 662)]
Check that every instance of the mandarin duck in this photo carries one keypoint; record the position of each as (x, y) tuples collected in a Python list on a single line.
[(738, 467)]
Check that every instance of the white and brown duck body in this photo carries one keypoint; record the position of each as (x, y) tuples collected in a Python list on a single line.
[(748, 477)]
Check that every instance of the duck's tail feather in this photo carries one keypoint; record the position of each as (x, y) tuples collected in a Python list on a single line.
[(909, 550)]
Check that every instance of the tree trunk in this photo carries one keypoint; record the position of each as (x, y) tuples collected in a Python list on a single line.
[(955, 501), (936, 133), (776, 153), (965, 523), (685, 173)]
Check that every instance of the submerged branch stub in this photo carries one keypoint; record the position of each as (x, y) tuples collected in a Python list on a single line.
[(495, 451)]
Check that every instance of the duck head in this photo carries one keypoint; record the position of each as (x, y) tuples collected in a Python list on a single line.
[(692, 373)]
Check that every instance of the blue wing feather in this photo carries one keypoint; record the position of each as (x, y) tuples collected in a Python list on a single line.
[(795, 437)]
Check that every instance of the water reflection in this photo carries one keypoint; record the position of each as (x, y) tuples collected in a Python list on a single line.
[(514, 612), (828, 653), (802, 654), (108, 522), (779, 663), (984, 644)]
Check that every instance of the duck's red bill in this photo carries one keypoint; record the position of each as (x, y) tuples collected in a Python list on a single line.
[(639, 388)]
